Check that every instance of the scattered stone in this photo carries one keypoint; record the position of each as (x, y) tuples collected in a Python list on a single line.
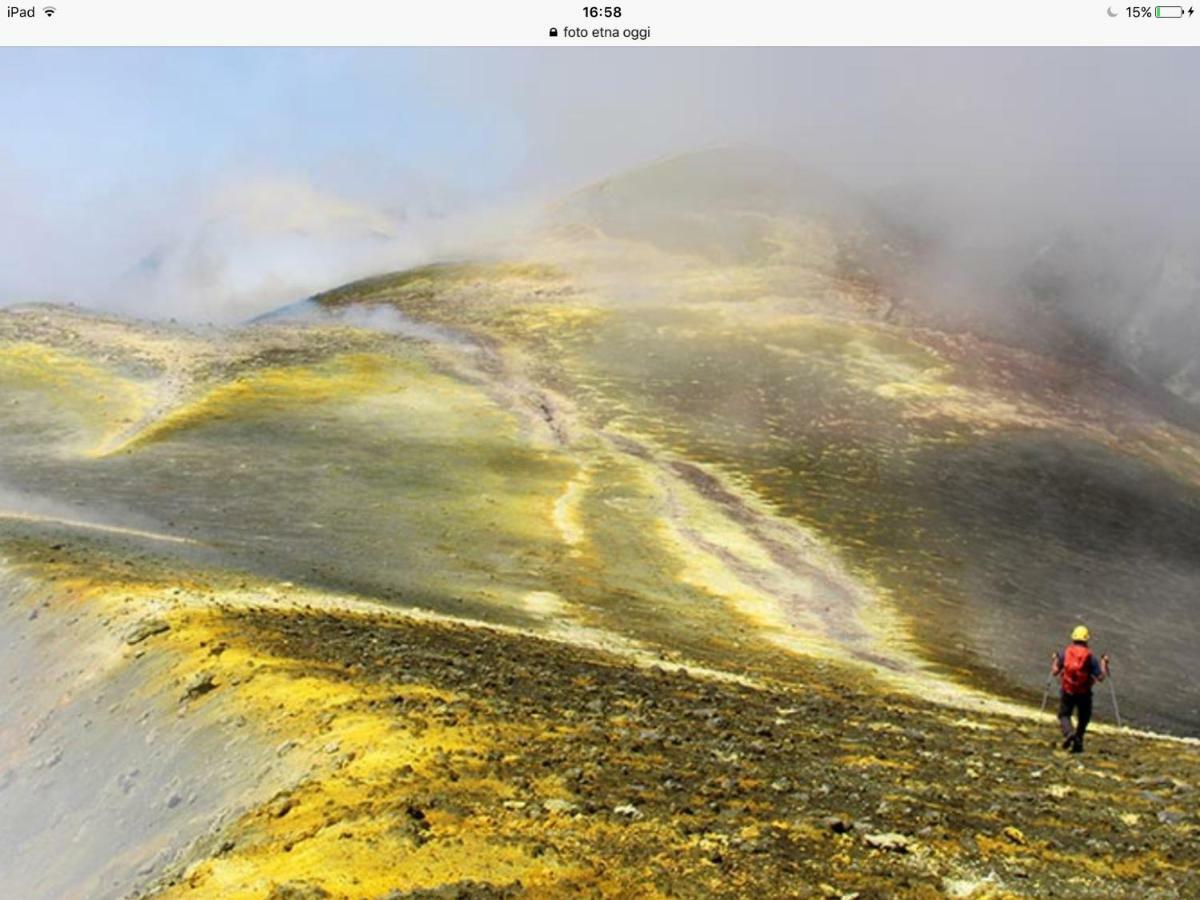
[(558, 805), (1014, 835), (628, 810), (838, 824), (144, 629), (890, 841), (199, 684), (297, 890), (461, 890)]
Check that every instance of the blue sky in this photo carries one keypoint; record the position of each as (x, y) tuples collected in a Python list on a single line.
[(90, 122)]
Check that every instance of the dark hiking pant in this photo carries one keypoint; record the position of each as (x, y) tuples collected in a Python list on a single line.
[(1081, 705)]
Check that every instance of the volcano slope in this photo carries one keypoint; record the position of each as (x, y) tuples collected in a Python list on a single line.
[(987, 486), (695, 581)]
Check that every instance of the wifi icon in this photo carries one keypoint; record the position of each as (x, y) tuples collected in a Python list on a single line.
[(49, 11)]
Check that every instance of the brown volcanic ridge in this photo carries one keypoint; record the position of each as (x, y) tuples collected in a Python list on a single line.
[(671, 551)]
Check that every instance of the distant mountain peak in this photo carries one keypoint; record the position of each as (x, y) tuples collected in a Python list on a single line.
[(723, 203)]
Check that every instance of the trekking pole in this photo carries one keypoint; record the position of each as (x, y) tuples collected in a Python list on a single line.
[(1046, 692), (1116, 709)]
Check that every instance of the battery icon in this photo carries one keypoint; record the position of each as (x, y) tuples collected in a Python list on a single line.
[(1168, 12)]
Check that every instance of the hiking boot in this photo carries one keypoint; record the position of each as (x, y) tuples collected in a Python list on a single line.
[(1068, 743), (1077, 745)]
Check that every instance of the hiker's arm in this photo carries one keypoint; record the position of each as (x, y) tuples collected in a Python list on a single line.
[(1055, 664), (1103, 668)]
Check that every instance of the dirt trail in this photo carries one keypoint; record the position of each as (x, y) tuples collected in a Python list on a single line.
[(831, 600), (78, 524)]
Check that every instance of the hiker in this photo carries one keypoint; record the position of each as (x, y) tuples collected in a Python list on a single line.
[(1079, 670)]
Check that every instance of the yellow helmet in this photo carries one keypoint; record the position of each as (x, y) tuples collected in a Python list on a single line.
[(1081, 633)]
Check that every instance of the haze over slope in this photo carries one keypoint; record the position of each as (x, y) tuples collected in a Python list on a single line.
[(996, 479), (1069, 161)]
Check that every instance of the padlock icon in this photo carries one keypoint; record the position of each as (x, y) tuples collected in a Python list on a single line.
[(553, 32)]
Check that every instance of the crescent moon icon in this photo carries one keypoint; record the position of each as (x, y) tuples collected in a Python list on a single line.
[(1111, 13)]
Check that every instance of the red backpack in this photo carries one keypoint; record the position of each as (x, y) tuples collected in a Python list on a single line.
[(1077, 670)]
